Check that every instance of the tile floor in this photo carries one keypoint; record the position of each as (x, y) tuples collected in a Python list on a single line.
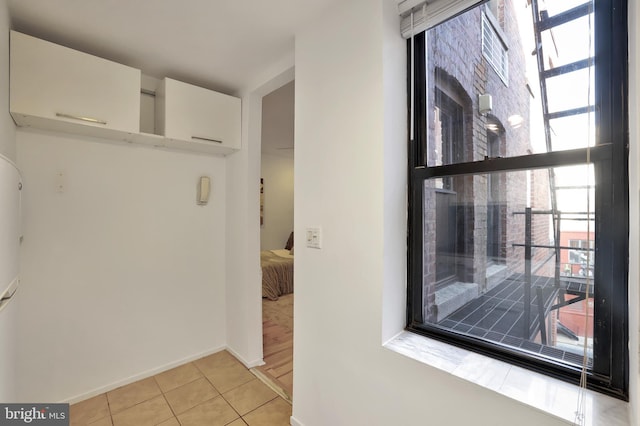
[(214, 390)]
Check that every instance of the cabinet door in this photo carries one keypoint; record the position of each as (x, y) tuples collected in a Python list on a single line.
[(199, 115), (54, 82)]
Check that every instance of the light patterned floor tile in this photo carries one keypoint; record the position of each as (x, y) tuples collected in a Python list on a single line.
[(215, 362), (188, 396), (88, 411), (130, 395), (151, 412), (249, 396), (226, 378), (274, 413), (177, 377), (105, 421), (194, 398), (215, 412), (171, 422)]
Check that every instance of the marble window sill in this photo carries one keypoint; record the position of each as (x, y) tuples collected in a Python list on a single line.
[(555, 397)]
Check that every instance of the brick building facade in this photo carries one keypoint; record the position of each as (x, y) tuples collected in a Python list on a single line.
[(471, 223)]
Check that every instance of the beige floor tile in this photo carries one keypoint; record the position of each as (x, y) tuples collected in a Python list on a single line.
[(238, 422), (215, 362), (171, 422), (274, 413), (215, 412), (89, 410), (177, 377), (188, 396), (132, 394), (151, 412), (249, 396), (105, 421), (226, 378)]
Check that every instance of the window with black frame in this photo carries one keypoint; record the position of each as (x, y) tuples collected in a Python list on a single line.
[(518, 208)]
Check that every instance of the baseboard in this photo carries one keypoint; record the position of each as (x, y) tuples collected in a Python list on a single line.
[(294, 422), (248, 364), (144, 375)]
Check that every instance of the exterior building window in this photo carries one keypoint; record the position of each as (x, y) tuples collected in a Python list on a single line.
[(580, 262), (494, 50), (496, 211), (518, 212)]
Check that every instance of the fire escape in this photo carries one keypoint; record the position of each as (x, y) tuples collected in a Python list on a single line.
[(543, 25)]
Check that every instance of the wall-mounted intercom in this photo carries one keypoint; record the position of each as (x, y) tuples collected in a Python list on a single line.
[(204, 185)]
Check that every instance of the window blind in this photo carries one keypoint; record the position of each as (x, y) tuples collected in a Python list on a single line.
[(428, 13)]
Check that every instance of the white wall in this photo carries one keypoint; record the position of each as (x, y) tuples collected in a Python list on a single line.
[(278, 109), (277, 166), (122, 273), (8, 335), (277, 173), (350, 154), (243, 296), (8, 353)]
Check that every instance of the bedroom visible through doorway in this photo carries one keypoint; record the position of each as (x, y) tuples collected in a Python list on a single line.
[(276, 238)]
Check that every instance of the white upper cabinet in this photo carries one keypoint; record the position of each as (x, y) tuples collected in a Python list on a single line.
[(52, 85), (57, 88), (197, 119)]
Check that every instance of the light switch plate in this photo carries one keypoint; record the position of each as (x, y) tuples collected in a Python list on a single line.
[(314, 238)]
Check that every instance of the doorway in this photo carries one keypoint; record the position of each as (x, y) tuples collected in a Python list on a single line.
[(276, 228)]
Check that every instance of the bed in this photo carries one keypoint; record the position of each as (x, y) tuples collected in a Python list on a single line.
[(277, 273)]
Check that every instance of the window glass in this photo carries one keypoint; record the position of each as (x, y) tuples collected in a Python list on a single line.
[(555, 7), (479, 270), (569, 91), (518, 211), (563, 44), (467, 58)]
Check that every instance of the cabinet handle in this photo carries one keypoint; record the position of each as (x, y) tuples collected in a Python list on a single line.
[(205, 139), (77, 117)]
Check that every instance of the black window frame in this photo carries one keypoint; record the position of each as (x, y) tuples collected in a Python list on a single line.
[(610, 371)]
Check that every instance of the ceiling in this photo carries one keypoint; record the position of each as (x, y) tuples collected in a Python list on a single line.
[(223, 45)]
